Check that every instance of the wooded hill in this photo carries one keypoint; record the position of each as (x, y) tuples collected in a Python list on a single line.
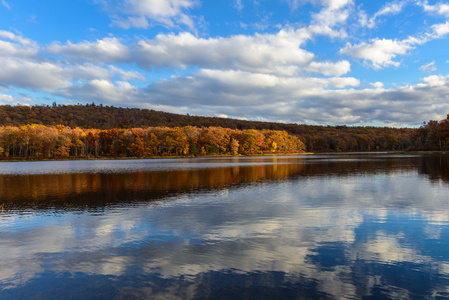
[(315, 138)]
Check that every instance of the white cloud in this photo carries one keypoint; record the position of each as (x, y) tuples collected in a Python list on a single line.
[(440, 30), (222, 116), (14, 37), (331, 4), (430, 67), (239, 91), (435, 81), (43, 76), (336, 4), (271, 53), (392, 8), (233, 91), (377, 85), (7, 98), (12, 45), (439, 8), (48, 77), (126, 75), (278, 53), (380, 52), (145, 13), (119, 92), (334, 13), (90, 71), (332, 100), (23, 64), (329, 68), (105, 50)]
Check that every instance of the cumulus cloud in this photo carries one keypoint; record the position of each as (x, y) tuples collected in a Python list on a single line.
[(25, 65), (330, 19), (298, 99), (268, 53), (111, 92), (240, 89), (434, 81), (13, 45), (105, 50), (329, 68), (377, 85), (51, 76), (439, 30), (278, 53), (380, 52), (145, 13), (24, 68), (438, 8), (42, 76)]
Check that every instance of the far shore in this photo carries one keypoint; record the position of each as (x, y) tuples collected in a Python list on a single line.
[(2, 159), (414, 152)]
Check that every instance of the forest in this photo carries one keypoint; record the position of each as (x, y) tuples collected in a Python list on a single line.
[(433, 135), (90, 130), (37, 141)]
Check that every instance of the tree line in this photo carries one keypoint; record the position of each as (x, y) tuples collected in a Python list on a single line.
[(316, 138), (433, 135), (35, 141)]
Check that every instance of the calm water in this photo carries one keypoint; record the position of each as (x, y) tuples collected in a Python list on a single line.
[(320, 226)]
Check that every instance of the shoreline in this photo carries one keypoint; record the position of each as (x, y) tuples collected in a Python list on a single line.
[(424, 152), (152, 157)]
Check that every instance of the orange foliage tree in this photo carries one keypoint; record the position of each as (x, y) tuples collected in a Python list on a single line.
[(37, 141)]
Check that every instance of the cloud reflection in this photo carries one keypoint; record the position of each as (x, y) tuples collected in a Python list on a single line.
[(349, 235)]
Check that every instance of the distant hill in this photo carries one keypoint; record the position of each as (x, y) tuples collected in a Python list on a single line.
[(106, 117), (316, 138)]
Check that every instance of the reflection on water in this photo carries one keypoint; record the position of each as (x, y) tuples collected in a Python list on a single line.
[(320, 226), (69, 185)]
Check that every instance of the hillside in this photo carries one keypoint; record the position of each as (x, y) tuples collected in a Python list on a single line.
[(316, 138)]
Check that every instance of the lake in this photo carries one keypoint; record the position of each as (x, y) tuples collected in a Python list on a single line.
[(346, 226)]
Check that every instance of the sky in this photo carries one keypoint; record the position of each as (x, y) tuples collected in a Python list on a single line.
[(328, 62)]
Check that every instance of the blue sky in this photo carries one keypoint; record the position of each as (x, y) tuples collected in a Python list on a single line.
[(369, 63)]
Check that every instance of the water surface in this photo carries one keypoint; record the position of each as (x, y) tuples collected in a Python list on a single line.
[(320, 226)]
